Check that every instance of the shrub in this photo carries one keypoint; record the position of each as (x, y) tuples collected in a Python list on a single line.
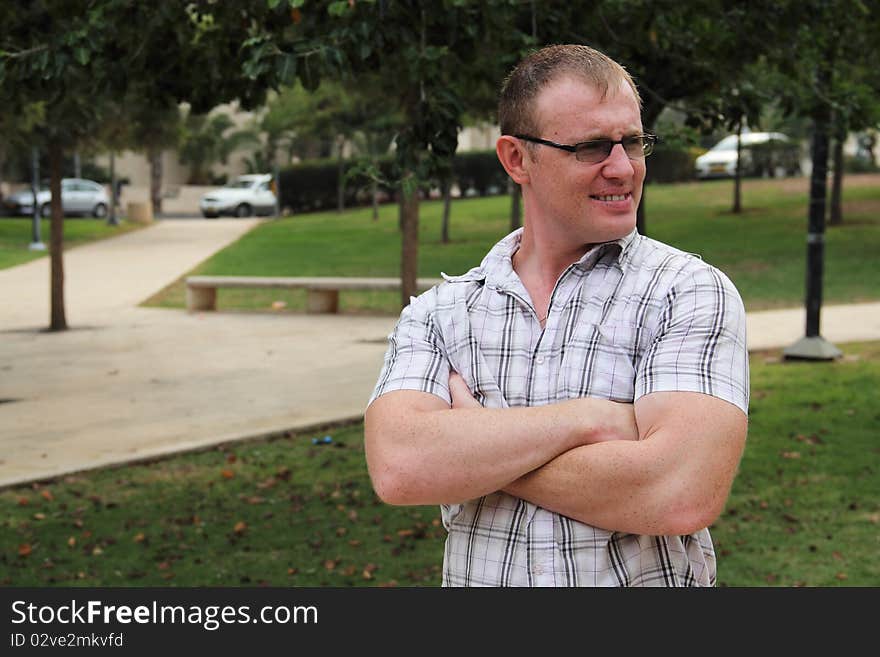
[(670, 163)]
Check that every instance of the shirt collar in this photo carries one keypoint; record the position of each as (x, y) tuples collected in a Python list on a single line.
[(497, 266)]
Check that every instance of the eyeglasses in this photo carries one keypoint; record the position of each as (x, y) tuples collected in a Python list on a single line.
[(596, 150)]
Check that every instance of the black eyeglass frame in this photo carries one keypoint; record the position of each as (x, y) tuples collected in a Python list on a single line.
[(649, 141)]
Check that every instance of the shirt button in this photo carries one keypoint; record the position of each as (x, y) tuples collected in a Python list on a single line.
[(539, 360)]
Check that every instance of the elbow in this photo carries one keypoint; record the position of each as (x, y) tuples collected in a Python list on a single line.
[(689, 514), (390, 485)]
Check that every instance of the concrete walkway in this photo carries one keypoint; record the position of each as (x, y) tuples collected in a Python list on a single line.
[(128, 383)]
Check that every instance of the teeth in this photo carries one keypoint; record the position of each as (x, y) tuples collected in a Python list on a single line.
[(613, 197)]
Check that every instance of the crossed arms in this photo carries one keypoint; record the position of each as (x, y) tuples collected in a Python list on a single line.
[(661, 466)]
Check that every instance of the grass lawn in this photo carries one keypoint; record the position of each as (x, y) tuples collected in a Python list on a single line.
[(16, 234), (763, 250), (805, 507)]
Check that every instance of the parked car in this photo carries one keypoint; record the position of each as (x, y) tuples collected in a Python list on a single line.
[(242, 197), (764, 153), (78, 197)]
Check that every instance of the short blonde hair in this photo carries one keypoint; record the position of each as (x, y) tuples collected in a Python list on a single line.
[(516, 105)]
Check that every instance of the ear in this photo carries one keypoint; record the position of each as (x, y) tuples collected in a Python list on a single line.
[(513, 157)]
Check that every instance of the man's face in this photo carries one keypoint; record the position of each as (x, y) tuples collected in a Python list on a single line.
[(577, 201)]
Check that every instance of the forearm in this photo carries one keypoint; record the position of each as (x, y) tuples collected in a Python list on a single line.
[(674, 480), (616, 485), (440, 455)]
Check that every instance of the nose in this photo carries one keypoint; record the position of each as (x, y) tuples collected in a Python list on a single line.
[(617, 164)]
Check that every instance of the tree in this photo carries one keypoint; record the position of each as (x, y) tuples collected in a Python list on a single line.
[(826, 61), (419, 48), (154, 125), (209, 138), (75, 57)]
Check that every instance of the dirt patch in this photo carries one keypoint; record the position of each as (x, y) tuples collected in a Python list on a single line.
[(866, 206)]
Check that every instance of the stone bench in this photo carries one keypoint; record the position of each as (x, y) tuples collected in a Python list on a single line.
[(323, 292)]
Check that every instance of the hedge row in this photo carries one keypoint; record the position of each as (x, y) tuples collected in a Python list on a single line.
[(313, 185)]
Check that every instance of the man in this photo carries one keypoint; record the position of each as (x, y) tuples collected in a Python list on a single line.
[(577, 403)]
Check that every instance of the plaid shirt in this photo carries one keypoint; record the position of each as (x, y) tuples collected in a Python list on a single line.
[(631, 317)]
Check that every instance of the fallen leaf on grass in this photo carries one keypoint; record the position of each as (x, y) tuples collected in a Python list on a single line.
[(24, 549), (354, 543), (227, 474), (791, 455), (341, 531), (23, 501), (71, 542), (47, 495), (837, 555), (231, 458), (874, 518), (240, 527), (139, 537), (164, 565), (841, 576), (292, 571), (39, 516), (97, 551), (330, 564)]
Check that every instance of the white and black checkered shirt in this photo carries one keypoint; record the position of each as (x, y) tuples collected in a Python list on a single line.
[(630, 318)]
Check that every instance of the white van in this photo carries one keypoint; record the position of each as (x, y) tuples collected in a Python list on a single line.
[(720, 160)]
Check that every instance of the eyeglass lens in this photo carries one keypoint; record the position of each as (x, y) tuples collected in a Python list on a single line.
[(598, 149)]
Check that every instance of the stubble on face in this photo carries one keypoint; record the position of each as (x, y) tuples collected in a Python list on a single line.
[(583, 202)]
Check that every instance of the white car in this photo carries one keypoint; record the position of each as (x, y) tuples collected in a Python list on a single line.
[(720, 160), (78, 196), (242, 197)]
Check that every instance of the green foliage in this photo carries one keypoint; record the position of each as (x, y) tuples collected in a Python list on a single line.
[(313, 185), (479, 172), (209, 139)]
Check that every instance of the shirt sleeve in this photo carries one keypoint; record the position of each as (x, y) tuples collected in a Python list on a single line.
[(700, 343), (415, 358)]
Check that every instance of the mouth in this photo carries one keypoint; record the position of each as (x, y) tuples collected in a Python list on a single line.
[(611, 198)]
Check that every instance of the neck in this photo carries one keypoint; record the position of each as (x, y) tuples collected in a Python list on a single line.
[(542, 259)]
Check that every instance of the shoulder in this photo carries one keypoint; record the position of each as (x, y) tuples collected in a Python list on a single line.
[(673, 271)]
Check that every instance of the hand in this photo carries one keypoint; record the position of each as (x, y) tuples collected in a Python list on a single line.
[(461, 394)]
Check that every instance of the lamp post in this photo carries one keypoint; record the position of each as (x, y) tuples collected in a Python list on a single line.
[(813, 346), (36, 243)]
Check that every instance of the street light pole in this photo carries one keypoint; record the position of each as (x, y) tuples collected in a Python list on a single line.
[(813, 346), (36, 243)]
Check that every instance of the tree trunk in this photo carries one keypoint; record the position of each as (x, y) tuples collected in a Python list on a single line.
[(447, 204), (409, 254), (640, 213), (340, 164), (57, 320), (111, 219), (374, 192), (515, 205), (836, 216), (155, 156), (737, 176)]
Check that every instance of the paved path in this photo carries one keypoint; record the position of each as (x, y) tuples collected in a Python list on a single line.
[(128, 383)]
